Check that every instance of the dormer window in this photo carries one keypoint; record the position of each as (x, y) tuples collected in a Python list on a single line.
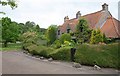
[(58, 32)]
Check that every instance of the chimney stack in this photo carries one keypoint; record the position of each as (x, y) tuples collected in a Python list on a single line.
[(78, 14), (105, 7), (66, 18)]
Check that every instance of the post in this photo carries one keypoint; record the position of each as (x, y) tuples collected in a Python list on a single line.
[(73, 50)]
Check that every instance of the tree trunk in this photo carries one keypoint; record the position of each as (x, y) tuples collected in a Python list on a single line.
[(5, 44)]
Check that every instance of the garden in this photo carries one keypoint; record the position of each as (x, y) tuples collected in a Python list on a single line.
[(92, 46)]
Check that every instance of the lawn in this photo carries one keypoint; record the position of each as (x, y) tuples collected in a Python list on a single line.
[(11, 47)]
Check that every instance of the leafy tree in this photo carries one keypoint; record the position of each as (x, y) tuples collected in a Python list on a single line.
[(21, 28), (10, 31), (11, 3), (97, 36), (82, 31), (28, 26), (92, 39), (37, 28), (51, 34)]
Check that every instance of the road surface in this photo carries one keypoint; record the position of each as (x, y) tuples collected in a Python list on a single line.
[(15, 62)]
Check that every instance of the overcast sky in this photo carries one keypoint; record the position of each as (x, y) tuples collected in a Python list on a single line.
[(47, 12)]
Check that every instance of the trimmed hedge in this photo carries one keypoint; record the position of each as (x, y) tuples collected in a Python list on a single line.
[(62, 53), (101, 55), (40, 50)]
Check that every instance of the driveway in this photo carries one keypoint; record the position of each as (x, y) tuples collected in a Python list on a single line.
[(15, 62)]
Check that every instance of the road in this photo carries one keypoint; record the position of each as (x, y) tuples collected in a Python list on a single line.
[(15, 62)]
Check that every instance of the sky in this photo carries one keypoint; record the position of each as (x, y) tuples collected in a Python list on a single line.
[(48, 12)]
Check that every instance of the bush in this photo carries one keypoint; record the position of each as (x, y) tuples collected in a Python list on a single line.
[(61, 54), (65, 37), (102, 55), (97, 36), (29, 37), (57, 44), (40, 50), (51, 34)]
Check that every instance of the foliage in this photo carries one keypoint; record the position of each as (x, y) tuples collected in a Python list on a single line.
[(38, 28), (56, 44), (29, 26), (29, 37), (101, 55), (0, 31), (65, 37), (61, 54), (82, 31), (11, 3), (39, 50), (97, 36), (12, 47), (51, 34), (10, 31)]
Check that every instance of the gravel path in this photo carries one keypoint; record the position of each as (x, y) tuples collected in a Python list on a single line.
[(15, 62)]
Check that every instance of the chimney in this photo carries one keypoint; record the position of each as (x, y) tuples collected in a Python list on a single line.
[(78, 14), (66, 18), (105, 7)]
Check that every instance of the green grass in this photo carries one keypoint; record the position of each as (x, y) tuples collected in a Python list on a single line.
[(11, 47)]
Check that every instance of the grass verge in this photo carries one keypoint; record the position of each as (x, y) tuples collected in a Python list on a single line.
[(11, 47)]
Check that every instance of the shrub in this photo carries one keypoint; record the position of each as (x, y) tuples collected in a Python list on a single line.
[(57, 44), (62, 53), (40, 50), (51, 34), (97, 36), (65, 37), (29, 37), (45, 51), (102, 55)]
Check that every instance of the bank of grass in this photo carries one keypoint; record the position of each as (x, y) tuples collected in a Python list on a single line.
[(102, 55), (11, 47)]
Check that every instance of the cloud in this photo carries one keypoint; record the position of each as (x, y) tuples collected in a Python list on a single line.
[(47, 12)]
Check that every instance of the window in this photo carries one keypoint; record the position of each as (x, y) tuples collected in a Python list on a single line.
[(68, 30), (58, 32)]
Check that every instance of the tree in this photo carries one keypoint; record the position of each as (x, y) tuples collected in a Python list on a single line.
[(38, 30), (29, 26), (51, 33), (21, 28), (97, 36), (82, 31), (11, 3), (10, 31)]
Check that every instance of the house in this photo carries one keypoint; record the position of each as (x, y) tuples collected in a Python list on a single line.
[(101, 19)]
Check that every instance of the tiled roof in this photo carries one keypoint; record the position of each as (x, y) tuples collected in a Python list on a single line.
[(93, 18), (110, 26)]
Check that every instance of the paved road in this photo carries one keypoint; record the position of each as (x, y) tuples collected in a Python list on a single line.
[(20, 63)]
